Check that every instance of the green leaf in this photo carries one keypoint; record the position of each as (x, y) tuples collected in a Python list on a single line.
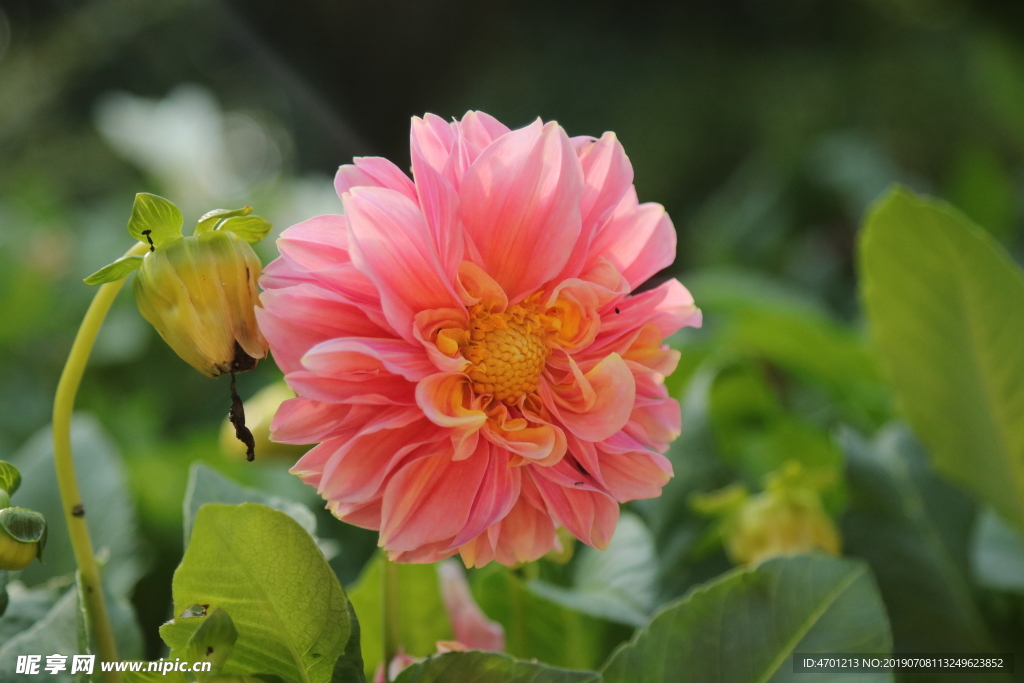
[(211, 219), (946, 305), (349, 667), (250, 228), (263, 569), (423, 622), (746, 625), (619, 584), (913, 529), (154, 219), (207, 485), (538, 628), (109, 509), (10, 478), (25, 607), (489, 667), (57, 632), (115, 271), (997, 556), (212, 642)]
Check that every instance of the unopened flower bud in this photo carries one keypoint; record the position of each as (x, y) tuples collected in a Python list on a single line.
[(199, 292), (787, 518), (22, 537)]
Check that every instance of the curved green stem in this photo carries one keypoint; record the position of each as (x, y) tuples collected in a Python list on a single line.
[(392, 616), (67, 482)]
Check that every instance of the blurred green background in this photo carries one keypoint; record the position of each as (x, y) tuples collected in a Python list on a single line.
[(766, 129)]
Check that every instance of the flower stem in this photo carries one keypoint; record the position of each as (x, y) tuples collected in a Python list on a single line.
[(67, 482), (392, 616)]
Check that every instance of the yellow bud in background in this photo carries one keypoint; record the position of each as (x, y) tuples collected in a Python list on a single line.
[(568, 547), (259, 412), (200, 294), (787, 518)]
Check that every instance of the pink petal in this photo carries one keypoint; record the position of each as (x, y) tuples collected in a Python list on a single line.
[(639, 240), (355, 470), (480, 129), (332, 357), (381, 389), (471, 626), (588, 515), (631, 471), (520, 206), (393, 246), (316, 243), (295, 319), (594, 405), (302, 420), (445, 399), (373, 172), (429, 500), (432, 139), (497, 493), (440, 205)]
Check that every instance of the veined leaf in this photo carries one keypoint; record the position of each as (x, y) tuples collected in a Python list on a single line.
[(154, 219), (489, 667), (115, 271), (209, 220), (745, 626), (265, 571), (946, 306), (207, 485), (250, 228)]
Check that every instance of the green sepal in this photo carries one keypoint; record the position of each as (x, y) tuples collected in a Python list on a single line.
[(115, 271), (25, 526), (10, 478), (154, 220), (212, 219), (250, 228)]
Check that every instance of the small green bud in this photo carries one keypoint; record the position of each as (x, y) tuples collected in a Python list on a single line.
[(22, 537), (199, 292), (568, 543), (10, 479)]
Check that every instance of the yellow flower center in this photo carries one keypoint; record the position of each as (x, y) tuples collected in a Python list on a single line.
[(507, 351)]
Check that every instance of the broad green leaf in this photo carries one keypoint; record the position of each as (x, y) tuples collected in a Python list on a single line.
[(115, 271), (913, 529), (538, 628), (10, 478), (207, 485), (619, 584), (424, 620), (997, 555), (489, 667), (349, 667), (25, 607), (209, 220), (109, 508), (57, 632), (154, 219), (250, 228), (263, 569), (745, 626), (212, 642), (946, 306)]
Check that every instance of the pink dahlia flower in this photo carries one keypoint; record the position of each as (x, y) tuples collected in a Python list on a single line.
[(465, 346)]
